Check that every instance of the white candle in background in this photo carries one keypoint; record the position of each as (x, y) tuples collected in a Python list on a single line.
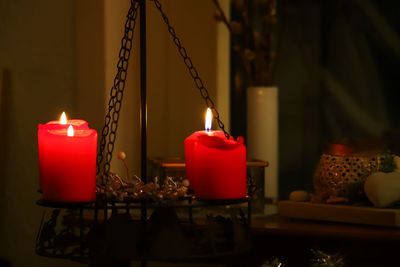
[(262, 133)]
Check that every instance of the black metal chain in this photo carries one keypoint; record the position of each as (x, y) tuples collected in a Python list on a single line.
[(192, 70), (117, 91)]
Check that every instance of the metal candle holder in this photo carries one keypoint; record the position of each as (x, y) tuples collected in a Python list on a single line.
[(87, 232)]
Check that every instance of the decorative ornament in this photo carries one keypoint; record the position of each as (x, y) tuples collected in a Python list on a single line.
[(299, 196), (114, 187), (383, 189), (273, 262), (340, 178), (321, 259)]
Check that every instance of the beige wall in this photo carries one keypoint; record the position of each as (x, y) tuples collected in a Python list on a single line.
[(90, 61), (37, 56), (196, 29)]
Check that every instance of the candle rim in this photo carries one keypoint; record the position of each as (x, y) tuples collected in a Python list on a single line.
[(55, 125), (74, 122), (219, 142), (78, 133)]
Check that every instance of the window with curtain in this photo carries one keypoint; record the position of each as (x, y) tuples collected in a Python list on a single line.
[(337, 64)]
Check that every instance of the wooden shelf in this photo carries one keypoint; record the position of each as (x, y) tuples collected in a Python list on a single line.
[(278, 225), (340, 213)]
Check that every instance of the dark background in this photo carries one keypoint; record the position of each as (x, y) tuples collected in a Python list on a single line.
[(324, 45)]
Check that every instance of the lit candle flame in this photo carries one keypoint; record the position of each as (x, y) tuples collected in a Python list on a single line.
[(208, 120), (63, 119), (70, 131)]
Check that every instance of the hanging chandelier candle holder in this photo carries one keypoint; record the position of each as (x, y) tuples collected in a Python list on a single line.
[(67, 160), (99, 216), (215, 162)]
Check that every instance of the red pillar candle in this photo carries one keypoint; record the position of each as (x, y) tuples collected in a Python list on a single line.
[(215, 166), (62, 123), (69, 165)]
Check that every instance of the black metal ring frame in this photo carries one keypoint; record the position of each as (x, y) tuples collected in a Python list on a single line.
[(183, 202)]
